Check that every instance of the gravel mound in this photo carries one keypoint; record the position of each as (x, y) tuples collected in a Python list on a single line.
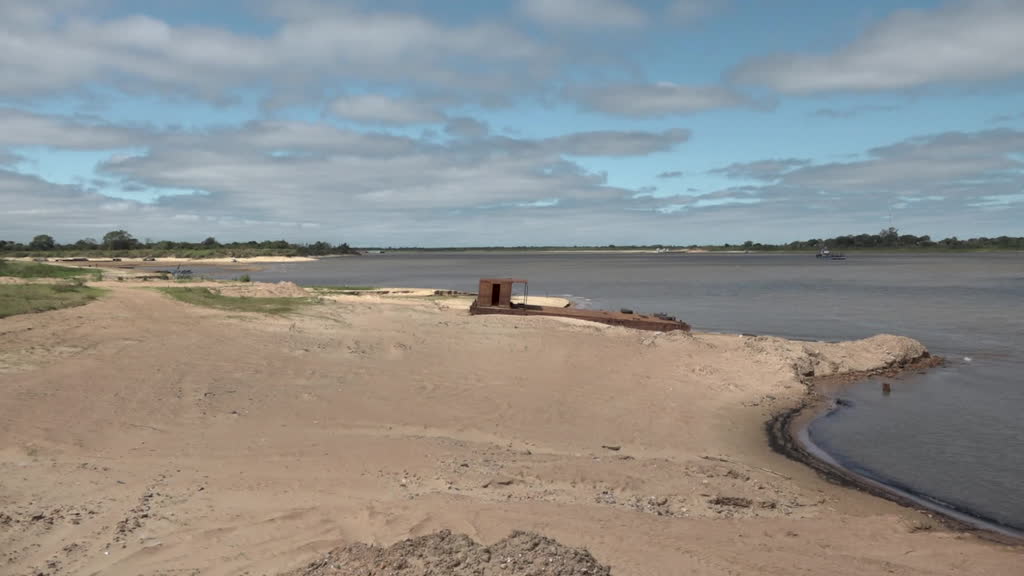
[(446, 554)]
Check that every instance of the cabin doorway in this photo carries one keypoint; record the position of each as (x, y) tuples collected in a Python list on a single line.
[(495, 294)]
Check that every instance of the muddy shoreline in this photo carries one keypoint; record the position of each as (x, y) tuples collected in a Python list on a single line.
[(787, 430)]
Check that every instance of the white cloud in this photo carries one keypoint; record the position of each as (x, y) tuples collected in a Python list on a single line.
[(660, 99), (961, 41), (45, 50), (468, 128), (18, 128), (306, 181), (381, 109), (585, 13)]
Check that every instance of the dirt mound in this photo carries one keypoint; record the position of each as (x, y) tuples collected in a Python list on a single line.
[(264, 290), (446, 554), (833, 358)]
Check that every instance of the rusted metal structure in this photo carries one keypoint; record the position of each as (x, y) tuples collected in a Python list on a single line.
[(497, 292), (495, 297)]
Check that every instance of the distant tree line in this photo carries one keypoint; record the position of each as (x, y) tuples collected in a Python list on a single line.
[(890, 238), (121, 243)]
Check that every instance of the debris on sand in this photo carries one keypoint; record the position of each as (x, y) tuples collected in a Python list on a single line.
[(520, 554), (732, 501)]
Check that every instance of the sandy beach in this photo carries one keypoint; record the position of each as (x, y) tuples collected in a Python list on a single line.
[(172, 260), (141, 435)]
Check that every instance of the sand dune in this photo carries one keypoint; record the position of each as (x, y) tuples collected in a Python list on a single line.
[(139, 435)]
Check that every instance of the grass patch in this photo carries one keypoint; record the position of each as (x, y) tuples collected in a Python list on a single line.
[(210, 299), (28, 298), (37, 270), (344, 288)]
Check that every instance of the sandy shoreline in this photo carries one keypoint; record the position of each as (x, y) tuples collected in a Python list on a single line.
[(228, 443), (172, 260)]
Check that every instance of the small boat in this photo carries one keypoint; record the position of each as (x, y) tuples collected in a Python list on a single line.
[(825, 254)]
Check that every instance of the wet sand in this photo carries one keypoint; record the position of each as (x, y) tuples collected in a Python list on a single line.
[(142, 435)]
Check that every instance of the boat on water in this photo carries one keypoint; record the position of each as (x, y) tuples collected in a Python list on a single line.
[(825, 254)]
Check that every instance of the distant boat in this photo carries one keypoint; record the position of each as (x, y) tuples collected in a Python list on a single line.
[(826, 254)]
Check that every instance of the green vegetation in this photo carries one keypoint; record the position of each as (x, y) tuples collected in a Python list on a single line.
[(887, 240), (244, 278), (210, 299), (27, 298), (890, 239), (37, 270), (121, 244)]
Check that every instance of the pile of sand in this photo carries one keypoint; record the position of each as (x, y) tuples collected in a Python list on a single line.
[(807, 359), (263, 289), (521, 554)]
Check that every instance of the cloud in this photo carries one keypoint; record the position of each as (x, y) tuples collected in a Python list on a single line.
[(673, 174), (652, 100), (973, 163), (9, 159), (852, 111), (44, 50), (305, 181), (761, 170), (593, 14), (968, 182), (289, 172), (466, 128), (962, 41), (381, 109), (613, 143), (26, 129)]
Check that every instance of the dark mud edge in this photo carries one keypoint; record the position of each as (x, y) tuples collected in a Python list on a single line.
[(781, 428)]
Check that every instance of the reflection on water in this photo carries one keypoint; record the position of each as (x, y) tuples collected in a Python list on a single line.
[(955, 434)]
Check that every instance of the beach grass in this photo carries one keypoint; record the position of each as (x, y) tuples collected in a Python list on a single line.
[(36, 270), (28, 298), (208, 298)]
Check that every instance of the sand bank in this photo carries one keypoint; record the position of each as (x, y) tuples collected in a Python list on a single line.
[(171, 260), (142, 435)]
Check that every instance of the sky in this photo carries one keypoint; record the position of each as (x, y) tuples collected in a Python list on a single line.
[(510, 122)]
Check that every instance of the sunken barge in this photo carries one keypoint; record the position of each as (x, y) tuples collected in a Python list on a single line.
[(495, 297)]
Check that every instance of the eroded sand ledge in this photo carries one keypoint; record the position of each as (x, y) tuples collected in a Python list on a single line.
[(142, 435)]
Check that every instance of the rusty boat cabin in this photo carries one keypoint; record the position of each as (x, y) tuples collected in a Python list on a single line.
[(495, 297)]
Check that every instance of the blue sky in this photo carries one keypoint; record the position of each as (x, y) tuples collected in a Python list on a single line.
[(414, 122)]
